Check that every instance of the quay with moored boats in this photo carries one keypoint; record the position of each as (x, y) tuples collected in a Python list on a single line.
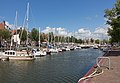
[(31, 54)]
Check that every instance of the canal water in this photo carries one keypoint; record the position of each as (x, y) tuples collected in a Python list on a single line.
[(64, 67)]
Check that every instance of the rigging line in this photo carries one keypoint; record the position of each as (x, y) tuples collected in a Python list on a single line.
[(24, 23), (32, 17)]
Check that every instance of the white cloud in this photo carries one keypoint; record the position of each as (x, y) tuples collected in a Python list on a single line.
[(48, 29), (101, 30), (56, 31), (61, 31), (99, 33), (81, 33)]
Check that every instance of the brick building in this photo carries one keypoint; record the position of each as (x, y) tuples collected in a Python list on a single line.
[(2, 25)]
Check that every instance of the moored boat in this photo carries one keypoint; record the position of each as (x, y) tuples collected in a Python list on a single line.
[(18, 55), (53, 50), (95, 47), (38, 52)]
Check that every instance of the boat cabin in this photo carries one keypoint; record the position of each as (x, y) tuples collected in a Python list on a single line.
[(10, 53)]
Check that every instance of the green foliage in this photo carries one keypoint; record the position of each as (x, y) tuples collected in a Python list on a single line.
[(23, 35), (5, 34), (78, 41), (51, 37), (91, 40), (0, 33), (105, 41), (56, 38), (97, 41), (113, 16), (35, 34)]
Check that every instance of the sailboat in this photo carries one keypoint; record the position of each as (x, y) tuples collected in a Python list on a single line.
[(39, 52), (53, 48), (19, 55)]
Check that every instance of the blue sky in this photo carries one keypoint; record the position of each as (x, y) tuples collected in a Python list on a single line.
[(70, 14)]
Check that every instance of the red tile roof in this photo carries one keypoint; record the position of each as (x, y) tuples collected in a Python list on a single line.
[(13, 32), (2, 26)]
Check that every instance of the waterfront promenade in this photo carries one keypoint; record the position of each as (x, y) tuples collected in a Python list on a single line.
[(107, 76)]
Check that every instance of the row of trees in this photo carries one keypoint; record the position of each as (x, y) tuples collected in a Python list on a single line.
[(51, 38), (34, 35)]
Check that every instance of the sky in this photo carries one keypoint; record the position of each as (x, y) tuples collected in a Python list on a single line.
[(83, 17)]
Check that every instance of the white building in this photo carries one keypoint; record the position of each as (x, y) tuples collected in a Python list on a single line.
[(15, 38)]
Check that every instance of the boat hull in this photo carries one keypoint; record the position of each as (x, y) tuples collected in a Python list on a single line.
[(24, 58)]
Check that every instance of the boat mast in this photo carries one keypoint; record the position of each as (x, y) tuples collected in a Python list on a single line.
[(68, 37), (39, 38), (16, 27), (27, 19), (54, 40), (48, 37)]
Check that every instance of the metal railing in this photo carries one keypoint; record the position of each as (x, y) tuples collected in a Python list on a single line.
[(98, 61)]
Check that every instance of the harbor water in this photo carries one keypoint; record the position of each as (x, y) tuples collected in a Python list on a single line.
[(63, 67)]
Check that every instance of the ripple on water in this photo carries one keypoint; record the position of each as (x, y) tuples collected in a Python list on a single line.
[(64, 67)]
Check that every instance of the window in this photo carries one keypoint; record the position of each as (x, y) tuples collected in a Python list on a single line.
[(13, 53), (10, 53)]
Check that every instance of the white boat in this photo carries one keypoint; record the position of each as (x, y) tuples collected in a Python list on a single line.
[(59, 50), (53, 50), (38, 52), (95, 47), (72, 48), (67, 48), (77, 47), (85, 46), (18, 55), (46, 50), (63, 49)]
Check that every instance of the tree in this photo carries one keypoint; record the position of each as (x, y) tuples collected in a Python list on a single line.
[(51, 37), (91, 40), (87, 41), (56, 39), (105, 41), (97, 41), (5, 34), (23, 35), (0, 35), (80, 41), (35, 34), (113, 19)]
